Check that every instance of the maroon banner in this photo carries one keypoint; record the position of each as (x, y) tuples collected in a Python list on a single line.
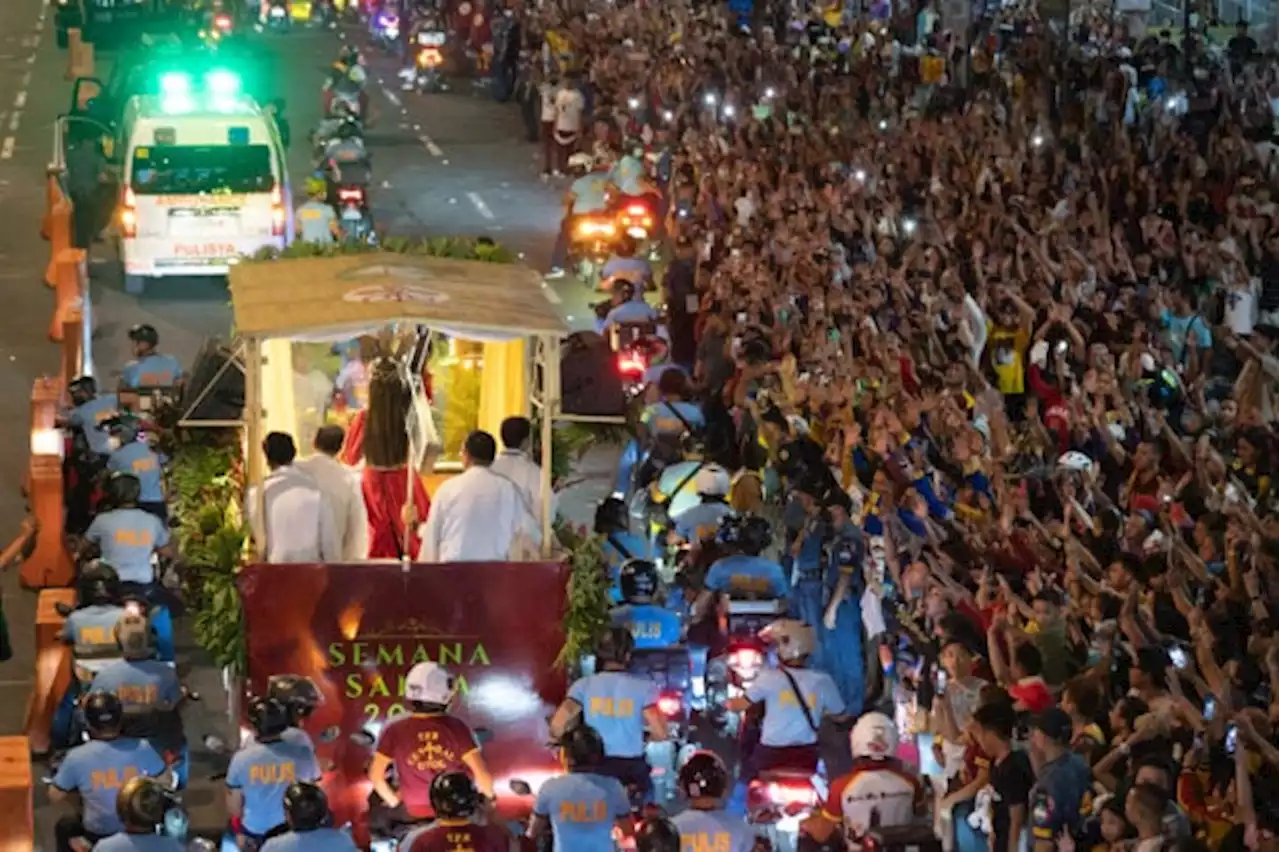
[(357, 629)]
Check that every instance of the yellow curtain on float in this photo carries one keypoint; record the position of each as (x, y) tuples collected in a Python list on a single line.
[(505, 390)]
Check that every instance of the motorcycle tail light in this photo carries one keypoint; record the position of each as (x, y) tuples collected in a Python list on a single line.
[(630, 364), (596, 227), (277, 213), (745, 659), (350, 195), (429, 58), (792, 796), (670, 704), (637, 210), (222, 22)]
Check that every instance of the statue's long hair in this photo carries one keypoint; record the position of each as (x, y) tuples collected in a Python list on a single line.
[(386, 442)]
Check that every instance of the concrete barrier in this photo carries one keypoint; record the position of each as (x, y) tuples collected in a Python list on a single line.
[(73, 343), (59, 237), (53, 669), (52, 195), (70, 278), (80, 61), (17, 814)]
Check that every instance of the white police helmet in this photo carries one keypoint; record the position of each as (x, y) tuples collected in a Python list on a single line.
[(792, 638), (429, 683), (874, 736), (712, 480)]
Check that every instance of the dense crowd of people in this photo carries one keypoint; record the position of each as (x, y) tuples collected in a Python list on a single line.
[(1020, 302)]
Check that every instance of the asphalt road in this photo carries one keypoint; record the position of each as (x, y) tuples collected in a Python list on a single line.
[(446, 164)]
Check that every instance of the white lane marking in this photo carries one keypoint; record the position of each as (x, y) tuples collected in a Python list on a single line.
[(40, 25), (432, 148), (391, 96), (6, 149), (15, 120), (26, 79), (31, 60), (31, 41), (20, 101), (478, 203), (550, 292)]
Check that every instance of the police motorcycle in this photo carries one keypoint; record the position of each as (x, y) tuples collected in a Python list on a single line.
[(279, 19), (89, 628), (659, 656), (87, 447), (385, 29), (425, 73)]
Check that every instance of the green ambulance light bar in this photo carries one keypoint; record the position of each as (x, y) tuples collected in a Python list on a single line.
[(176, 89)]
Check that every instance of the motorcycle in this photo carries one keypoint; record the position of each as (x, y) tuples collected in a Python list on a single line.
[(428, 63), (636, 219), (220, 28), (669, 669), (386, 31), (324, 14), (730, 676), (777, 800), (353, 213), (330, 130), (591, 243), (637, 346)]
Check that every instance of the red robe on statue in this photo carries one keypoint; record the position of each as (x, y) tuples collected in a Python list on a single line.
[(384, 499)]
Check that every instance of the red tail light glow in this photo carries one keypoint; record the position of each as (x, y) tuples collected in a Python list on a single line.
[(129, 215), (222, 22), (745, 658), (637, 210), (630, 364), (277, 213), (670, 704), (351, 194)]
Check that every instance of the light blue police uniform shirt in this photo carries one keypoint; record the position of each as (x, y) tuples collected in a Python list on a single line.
[(143, 462), (702, 520), (582, 808), (320, 840), (629, 312), (155, 370), (626, 175), (718, 830), (661, 417), (92, 630), (98, 769), (652, 627), (315, 220), (669, 481), (590, 194), (139, 843), (613, 703), (262, 772), (784, 720), (742, 574), (87, 417), (630, 268), (139, 684), (127, 538)]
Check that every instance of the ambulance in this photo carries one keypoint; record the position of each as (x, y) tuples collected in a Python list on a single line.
[(204, 180)]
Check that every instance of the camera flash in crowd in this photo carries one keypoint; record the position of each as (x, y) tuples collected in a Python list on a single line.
[(668, 116), (1037, 140), (860, 176), (908, 226), (884, 124), (709, 99), (728, 110), (634, 103), (769, 93)]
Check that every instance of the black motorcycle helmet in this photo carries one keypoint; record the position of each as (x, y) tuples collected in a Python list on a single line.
[(611, 516), (639, 581), (145, 334), (269, 717), (615, 647), (142, 803), (81, 389), (305, 807), (123, 489), (297, 693), (756, 535), (103, 714), (583, 746), (657, 835), (624, 290), (704, 776), (454, 795), (729, 534), (98, 584)]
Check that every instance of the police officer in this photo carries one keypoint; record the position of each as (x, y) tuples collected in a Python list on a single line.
[(742, 572), (701, 521), (149, 369), (306, 812), (148, 689), (1064, 785), (127, 536), (134, 457), (795, 698), (581, 807), (300, 697), (627, 309), (141, 806), (315, 220), (659, 835), (429, 690), (261, 772), (90, 630), (704, 780), (457, 802), (620, 707), (672, 415), (89, 411), (620, 544), (97, 771), (651, 626)]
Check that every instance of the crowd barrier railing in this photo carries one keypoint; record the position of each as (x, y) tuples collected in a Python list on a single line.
[(17, 810), (50, 564), (53, 669), (80, 61)]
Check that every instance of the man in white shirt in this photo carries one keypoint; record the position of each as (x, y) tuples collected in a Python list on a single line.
[(294, 522), (477, 515), (514, 463), (341, 490), (568, 122), (547, 92)]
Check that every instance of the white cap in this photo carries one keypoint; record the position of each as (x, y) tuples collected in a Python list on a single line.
[(793, 638), (1147, 362), (873, 736), (429, 683), (712, 480)]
